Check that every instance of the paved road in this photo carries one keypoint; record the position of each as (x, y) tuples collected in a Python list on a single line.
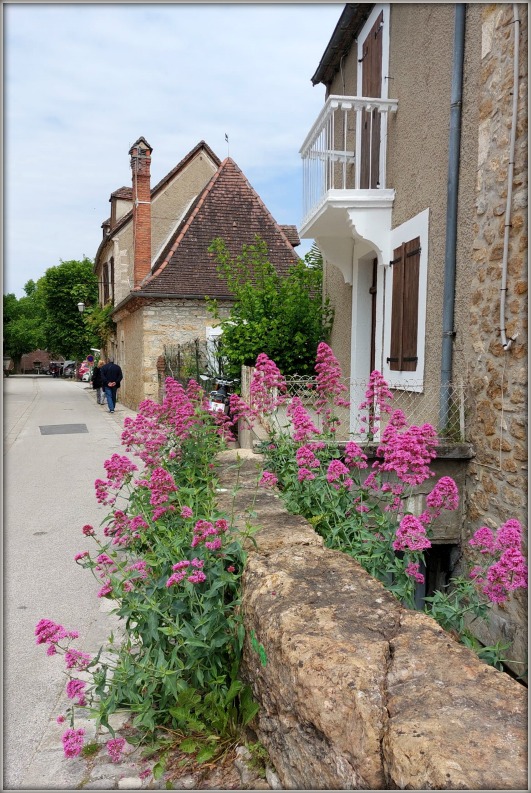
[(48, 497)]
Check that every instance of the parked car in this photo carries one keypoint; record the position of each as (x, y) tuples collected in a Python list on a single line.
[(69, 369), (86, 376)]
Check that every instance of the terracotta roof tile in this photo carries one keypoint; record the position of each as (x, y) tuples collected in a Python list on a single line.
[(123, 192), (228, 207), (292, 234)]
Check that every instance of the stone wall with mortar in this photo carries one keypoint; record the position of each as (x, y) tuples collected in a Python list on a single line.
[(152, 326), (355, 691), (497, 477)]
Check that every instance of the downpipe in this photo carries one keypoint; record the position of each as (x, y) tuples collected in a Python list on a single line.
[(454, 153)]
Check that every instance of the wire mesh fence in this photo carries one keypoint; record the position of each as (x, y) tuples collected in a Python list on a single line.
[(418, 407)]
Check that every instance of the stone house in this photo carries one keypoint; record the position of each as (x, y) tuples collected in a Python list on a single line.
[(153, 263), (415, 190)]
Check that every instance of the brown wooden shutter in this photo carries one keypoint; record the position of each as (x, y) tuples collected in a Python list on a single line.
[(405, 307), (112, 280), (371, 86)]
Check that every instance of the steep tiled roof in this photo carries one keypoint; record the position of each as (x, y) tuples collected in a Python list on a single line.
[(292, 234), (228, 207), (123, 192)]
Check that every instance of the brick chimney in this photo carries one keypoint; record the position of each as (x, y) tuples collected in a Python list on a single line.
[(140, 153)]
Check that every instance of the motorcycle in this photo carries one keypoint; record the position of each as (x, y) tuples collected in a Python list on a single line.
[(219, 399)]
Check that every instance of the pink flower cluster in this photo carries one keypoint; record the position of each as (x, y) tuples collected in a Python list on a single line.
[(75, 659), (407, 451), (181, 569), (302, 423), (329, 385), (377, 401), (115, 748), (51, 633), (119, 470), (73, 742), (186, 512), (144, 434), (268, 480), (509, 572), (337, 475), (354, 456), (75, 689), (411, 535), (444, 495), (306, 458), (204, 530), (123, 529), (413, 571), (268, 386)]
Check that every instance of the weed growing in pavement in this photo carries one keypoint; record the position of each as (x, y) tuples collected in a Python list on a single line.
[(363, 512), (171, 563)]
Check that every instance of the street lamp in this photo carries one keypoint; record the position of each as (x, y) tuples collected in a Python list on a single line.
[(81, 307)]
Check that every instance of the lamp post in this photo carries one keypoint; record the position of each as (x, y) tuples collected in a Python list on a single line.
[(81, 307)]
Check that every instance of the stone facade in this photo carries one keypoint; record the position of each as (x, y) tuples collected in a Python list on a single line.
[(143, 333), (497, 477)]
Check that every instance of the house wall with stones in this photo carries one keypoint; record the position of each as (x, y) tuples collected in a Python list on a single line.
[(143, 334), (340, 295), (497, 477)]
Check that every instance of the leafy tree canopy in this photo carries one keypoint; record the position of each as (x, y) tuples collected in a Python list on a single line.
[(282, 316), (63, 287)]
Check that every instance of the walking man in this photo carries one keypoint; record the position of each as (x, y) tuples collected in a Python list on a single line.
[(111, 377)]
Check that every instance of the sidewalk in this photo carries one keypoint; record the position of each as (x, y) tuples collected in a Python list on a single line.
[(50, 769)]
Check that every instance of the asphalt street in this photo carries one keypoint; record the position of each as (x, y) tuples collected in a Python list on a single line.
[(49, 471)]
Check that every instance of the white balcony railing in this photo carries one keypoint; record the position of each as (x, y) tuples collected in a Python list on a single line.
[(345, 148)]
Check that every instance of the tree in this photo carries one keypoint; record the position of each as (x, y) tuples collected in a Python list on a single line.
[(24, 323), (282, 316), (63, 287)]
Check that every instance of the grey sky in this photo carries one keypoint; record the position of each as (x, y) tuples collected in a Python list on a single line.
[(83, 81)]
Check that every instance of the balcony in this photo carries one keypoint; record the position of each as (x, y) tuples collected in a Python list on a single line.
[(344, 173)]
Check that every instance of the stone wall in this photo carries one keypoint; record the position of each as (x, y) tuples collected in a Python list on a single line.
[(355, 691), (497, 478)]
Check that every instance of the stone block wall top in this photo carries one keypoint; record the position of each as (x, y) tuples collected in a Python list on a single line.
[(357, 692)]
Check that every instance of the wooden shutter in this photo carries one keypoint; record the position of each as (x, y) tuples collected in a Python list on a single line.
[(405, 307), (112, 280), (371, 86)]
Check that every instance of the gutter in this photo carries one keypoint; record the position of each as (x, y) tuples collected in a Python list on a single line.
[(450, 255)]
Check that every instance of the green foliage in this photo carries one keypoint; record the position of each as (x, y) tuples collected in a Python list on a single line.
[(24, 321), (285, 317), (63, 287), (99, 322)]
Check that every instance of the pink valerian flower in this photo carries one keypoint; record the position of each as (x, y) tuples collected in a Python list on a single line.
[(145, 773), (354, 456), (408, 453), (119, 469), (484, 540), (412, 570), (161, 484), (444, 495), (160, 511), (205, 532), (268, 480), (509, 535), (144, 434), (306, 458), (181, 570), (509, 571), (186, 512), (75, 659), (81, 555), (337, 475), (105, 565), (411, 535), (268, 388), (240, 411), (88, 530), (60, 719), (115, 747), (231, 569), (377, 401), (48, 632), (302, 423), (304, 474), (73, 742), (75, 689), (328, 382), (105, 590)]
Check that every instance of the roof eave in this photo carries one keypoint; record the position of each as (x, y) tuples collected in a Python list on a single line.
[(349, 25)]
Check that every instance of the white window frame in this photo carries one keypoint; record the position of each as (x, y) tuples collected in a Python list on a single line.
[(417, 226)]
